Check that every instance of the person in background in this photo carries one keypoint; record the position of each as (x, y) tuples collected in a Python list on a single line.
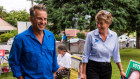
[(101, 44), (33, 52), (64, 61), (64, 38)]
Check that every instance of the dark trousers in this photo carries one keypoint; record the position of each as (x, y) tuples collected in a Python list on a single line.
[(98, 70)]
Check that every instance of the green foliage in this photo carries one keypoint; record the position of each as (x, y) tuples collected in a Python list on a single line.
[(58, 37), (61, 13), (13, 32), (126, 56), (81, 35), (2, 12), (14, 16), (126, 14), (4, 37)]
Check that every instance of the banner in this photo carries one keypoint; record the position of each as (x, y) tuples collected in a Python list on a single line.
[(2, 53), (133, 70), (75, 66)]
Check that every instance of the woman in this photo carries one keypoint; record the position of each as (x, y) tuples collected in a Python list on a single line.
[(64, 38), (64, 61), (101, 44)]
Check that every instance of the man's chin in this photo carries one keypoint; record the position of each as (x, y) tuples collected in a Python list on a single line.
[(41, 28)]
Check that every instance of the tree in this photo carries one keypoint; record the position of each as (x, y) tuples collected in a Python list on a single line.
[(2, 12), (13, 16), (126, 14), (61, 12)]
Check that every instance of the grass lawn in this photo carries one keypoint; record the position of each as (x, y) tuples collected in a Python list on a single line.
[(9, 76), (126, 55)]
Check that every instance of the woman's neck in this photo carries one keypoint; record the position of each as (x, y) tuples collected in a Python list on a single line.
[(104, 34)]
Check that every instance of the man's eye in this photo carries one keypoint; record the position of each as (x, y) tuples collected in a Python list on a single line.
[(39, 18)]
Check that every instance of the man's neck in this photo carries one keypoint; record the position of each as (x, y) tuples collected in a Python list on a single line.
[(39, 35)]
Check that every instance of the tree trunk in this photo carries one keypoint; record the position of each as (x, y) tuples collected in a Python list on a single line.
[(92, 27), (138, 40)]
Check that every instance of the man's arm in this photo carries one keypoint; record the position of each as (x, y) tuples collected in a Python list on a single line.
[(55, 65), (14, 57)]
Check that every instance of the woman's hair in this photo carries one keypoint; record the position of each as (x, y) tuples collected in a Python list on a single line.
[(104, 15), (63, 48)]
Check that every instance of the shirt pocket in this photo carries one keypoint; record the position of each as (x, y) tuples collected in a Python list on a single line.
[(50, 50), (31, 58)]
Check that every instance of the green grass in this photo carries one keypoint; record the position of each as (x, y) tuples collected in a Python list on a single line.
[(126, 55), (8, 76)]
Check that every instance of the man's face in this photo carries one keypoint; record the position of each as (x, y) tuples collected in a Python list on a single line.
[(39, 21)]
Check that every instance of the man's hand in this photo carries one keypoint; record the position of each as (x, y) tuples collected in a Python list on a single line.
[(20, 77)]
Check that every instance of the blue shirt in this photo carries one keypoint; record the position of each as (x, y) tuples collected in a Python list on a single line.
[(97, 50), (64, 37), (31, 59)]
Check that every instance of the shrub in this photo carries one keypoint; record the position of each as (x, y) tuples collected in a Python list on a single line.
[(5, 37), (81, 35), (58, 37), (13, 32)]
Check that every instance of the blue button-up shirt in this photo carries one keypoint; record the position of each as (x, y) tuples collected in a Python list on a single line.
[(97, 50), (31, 59)]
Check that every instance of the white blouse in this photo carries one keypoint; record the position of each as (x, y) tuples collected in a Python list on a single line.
[(64, 61)]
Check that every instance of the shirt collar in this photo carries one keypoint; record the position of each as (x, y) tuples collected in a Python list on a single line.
[(30, 32), (110, 33)]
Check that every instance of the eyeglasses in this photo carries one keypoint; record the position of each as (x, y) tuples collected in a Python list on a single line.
[(106, 12)]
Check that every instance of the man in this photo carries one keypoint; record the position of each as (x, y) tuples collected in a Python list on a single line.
[(33, 53)]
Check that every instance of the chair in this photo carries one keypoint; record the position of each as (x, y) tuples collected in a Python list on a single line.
[(66, 76), (5, 70)]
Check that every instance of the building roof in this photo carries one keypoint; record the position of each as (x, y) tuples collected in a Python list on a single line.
[(5, 26), (72, 32)]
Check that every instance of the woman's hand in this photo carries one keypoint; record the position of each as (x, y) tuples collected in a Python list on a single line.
[(83, 76), (123, 74)]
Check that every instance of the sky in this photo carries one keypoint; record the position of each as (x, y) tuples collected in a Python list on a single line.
[(17, 5)]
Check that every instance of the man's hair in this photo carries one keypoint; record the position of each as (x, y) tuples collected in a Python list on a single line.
[(39, 7), (104, 15)]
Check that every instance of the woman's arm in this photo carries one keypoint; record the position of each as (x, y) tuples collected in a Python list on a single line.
[(83, 74), (121, 70), (61, 68)]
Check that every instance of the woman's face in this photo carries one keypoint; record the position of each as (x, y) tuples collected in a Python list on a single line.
[(102, 25), (59, 51)]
